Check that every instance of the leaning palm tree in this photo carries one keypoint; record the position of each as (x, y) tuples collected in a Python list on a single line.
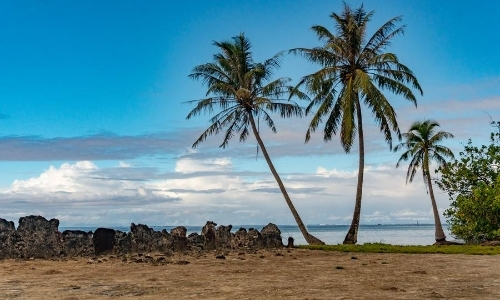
[(243, 91), (354, 71), (422, 146)]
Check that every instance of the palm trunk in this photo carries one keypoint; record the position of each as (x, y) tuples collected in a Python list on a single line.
[(439, 233), (352, 234), (310, 239)]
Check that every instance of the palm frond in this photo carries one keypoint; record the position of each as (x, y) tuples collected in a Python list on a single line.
[(439, 136), (238, 87), (360, 70), (423, 147), (384, 113), (415, 164), (381, 38), (348, 99)]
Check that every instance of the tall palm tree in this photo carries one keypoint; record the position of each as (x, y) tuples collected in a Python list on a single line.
[(354, 71), (243, 91), (422, 145)]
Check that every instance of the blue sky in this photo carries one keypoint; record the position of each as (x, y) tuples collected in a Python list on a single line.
[(93, 120)]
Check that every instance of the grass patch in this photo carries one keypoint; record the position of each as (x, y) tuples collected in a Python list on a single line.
[(387, 248)]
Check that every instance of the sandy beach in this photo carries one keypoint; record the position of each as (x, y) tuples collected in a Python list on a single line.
[(279, 274)]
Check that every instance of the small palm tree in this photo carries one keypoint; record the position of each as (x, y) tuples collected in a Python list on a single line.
[(243, 91), (354, 71), (422, 146)]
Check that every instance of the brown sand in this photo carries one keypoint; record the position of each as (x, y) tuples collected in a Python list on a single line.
[(280, 274)]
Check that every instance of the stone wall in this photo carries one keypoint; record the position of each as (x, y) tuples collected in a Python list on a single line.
[(37, 237)]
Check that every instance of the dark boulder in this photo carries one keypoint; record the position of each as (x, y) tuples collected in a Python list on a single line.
[(240, 239), (77, 243), (142, 238), (223, 237), (6, 226), (8, 239), (104, 241), (146, 239), (195, 241), (271, 237), (39, 238), (164, 241), (123, 243), (254, 239), (208, 232), (179, 239)]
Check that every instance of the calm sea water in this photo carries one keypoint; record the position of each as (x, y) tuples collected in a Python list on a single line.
[(401, 234)]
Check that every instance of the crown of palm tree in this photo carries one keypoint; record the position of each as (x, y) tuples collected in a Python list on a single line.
[(243, 89), (355, 69), (238, 87), (422, 144)]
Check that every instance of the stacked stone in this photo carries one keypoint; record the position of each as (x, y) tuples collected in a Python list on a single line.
[(8, 240), (37, 237)]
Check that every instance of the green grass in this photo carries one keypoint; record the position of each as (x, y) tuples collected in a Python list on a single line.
[(386, 248)]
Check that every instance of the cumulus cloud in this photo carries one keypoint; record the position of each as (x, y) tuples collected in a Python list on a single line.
[(65, 179), (196, 191), (321, 171), (123, 165), (188, 165), (81, 184)]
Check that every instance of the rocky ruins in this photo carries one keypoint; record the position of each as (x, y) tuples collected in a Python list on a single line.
[(37, 237)]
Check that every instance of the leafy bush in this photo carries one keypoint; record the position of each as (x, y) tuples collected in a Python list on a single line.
[(475, 218), (472, 183)]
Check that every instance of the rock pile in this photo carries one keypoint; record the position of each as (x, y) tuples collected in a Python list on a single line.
[(8, 239), (37, 237)]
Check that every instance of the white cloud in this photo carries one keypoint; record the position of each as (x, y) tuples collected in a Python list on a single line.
[(321, 171), (188, 165), (211, 189), (411, 215), (82, 182), (65, 179), (123, 165)]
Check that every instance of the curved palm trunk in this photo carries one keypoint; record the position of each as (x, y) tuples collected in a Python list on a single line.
[(352, 234), (439, 233), (310, 239)]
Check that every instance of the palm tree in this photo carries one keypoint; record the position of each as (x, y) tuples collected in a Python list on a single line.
[(244, 91), (355, 71), (422, 146)]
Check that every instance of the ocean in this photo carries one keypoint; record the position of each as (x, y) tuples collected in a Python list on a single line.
[(400, 234)]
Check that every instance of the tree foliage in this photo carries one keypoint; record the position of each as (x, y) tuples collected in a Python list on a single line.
[(472, 183), (239, 91), (423, 144), (355, 70), (476, 217)]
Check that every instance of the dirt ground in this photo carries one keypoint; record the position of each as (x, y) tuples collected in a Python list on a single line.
[(280, 274)]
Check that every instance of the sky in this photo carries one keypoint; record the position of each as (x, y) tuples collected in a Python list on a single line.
[(93, 127)]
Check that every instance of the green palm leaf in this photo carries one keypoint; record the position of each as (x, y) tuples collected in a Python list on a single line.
[(239, 91), (355, 70), (422, 146)]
